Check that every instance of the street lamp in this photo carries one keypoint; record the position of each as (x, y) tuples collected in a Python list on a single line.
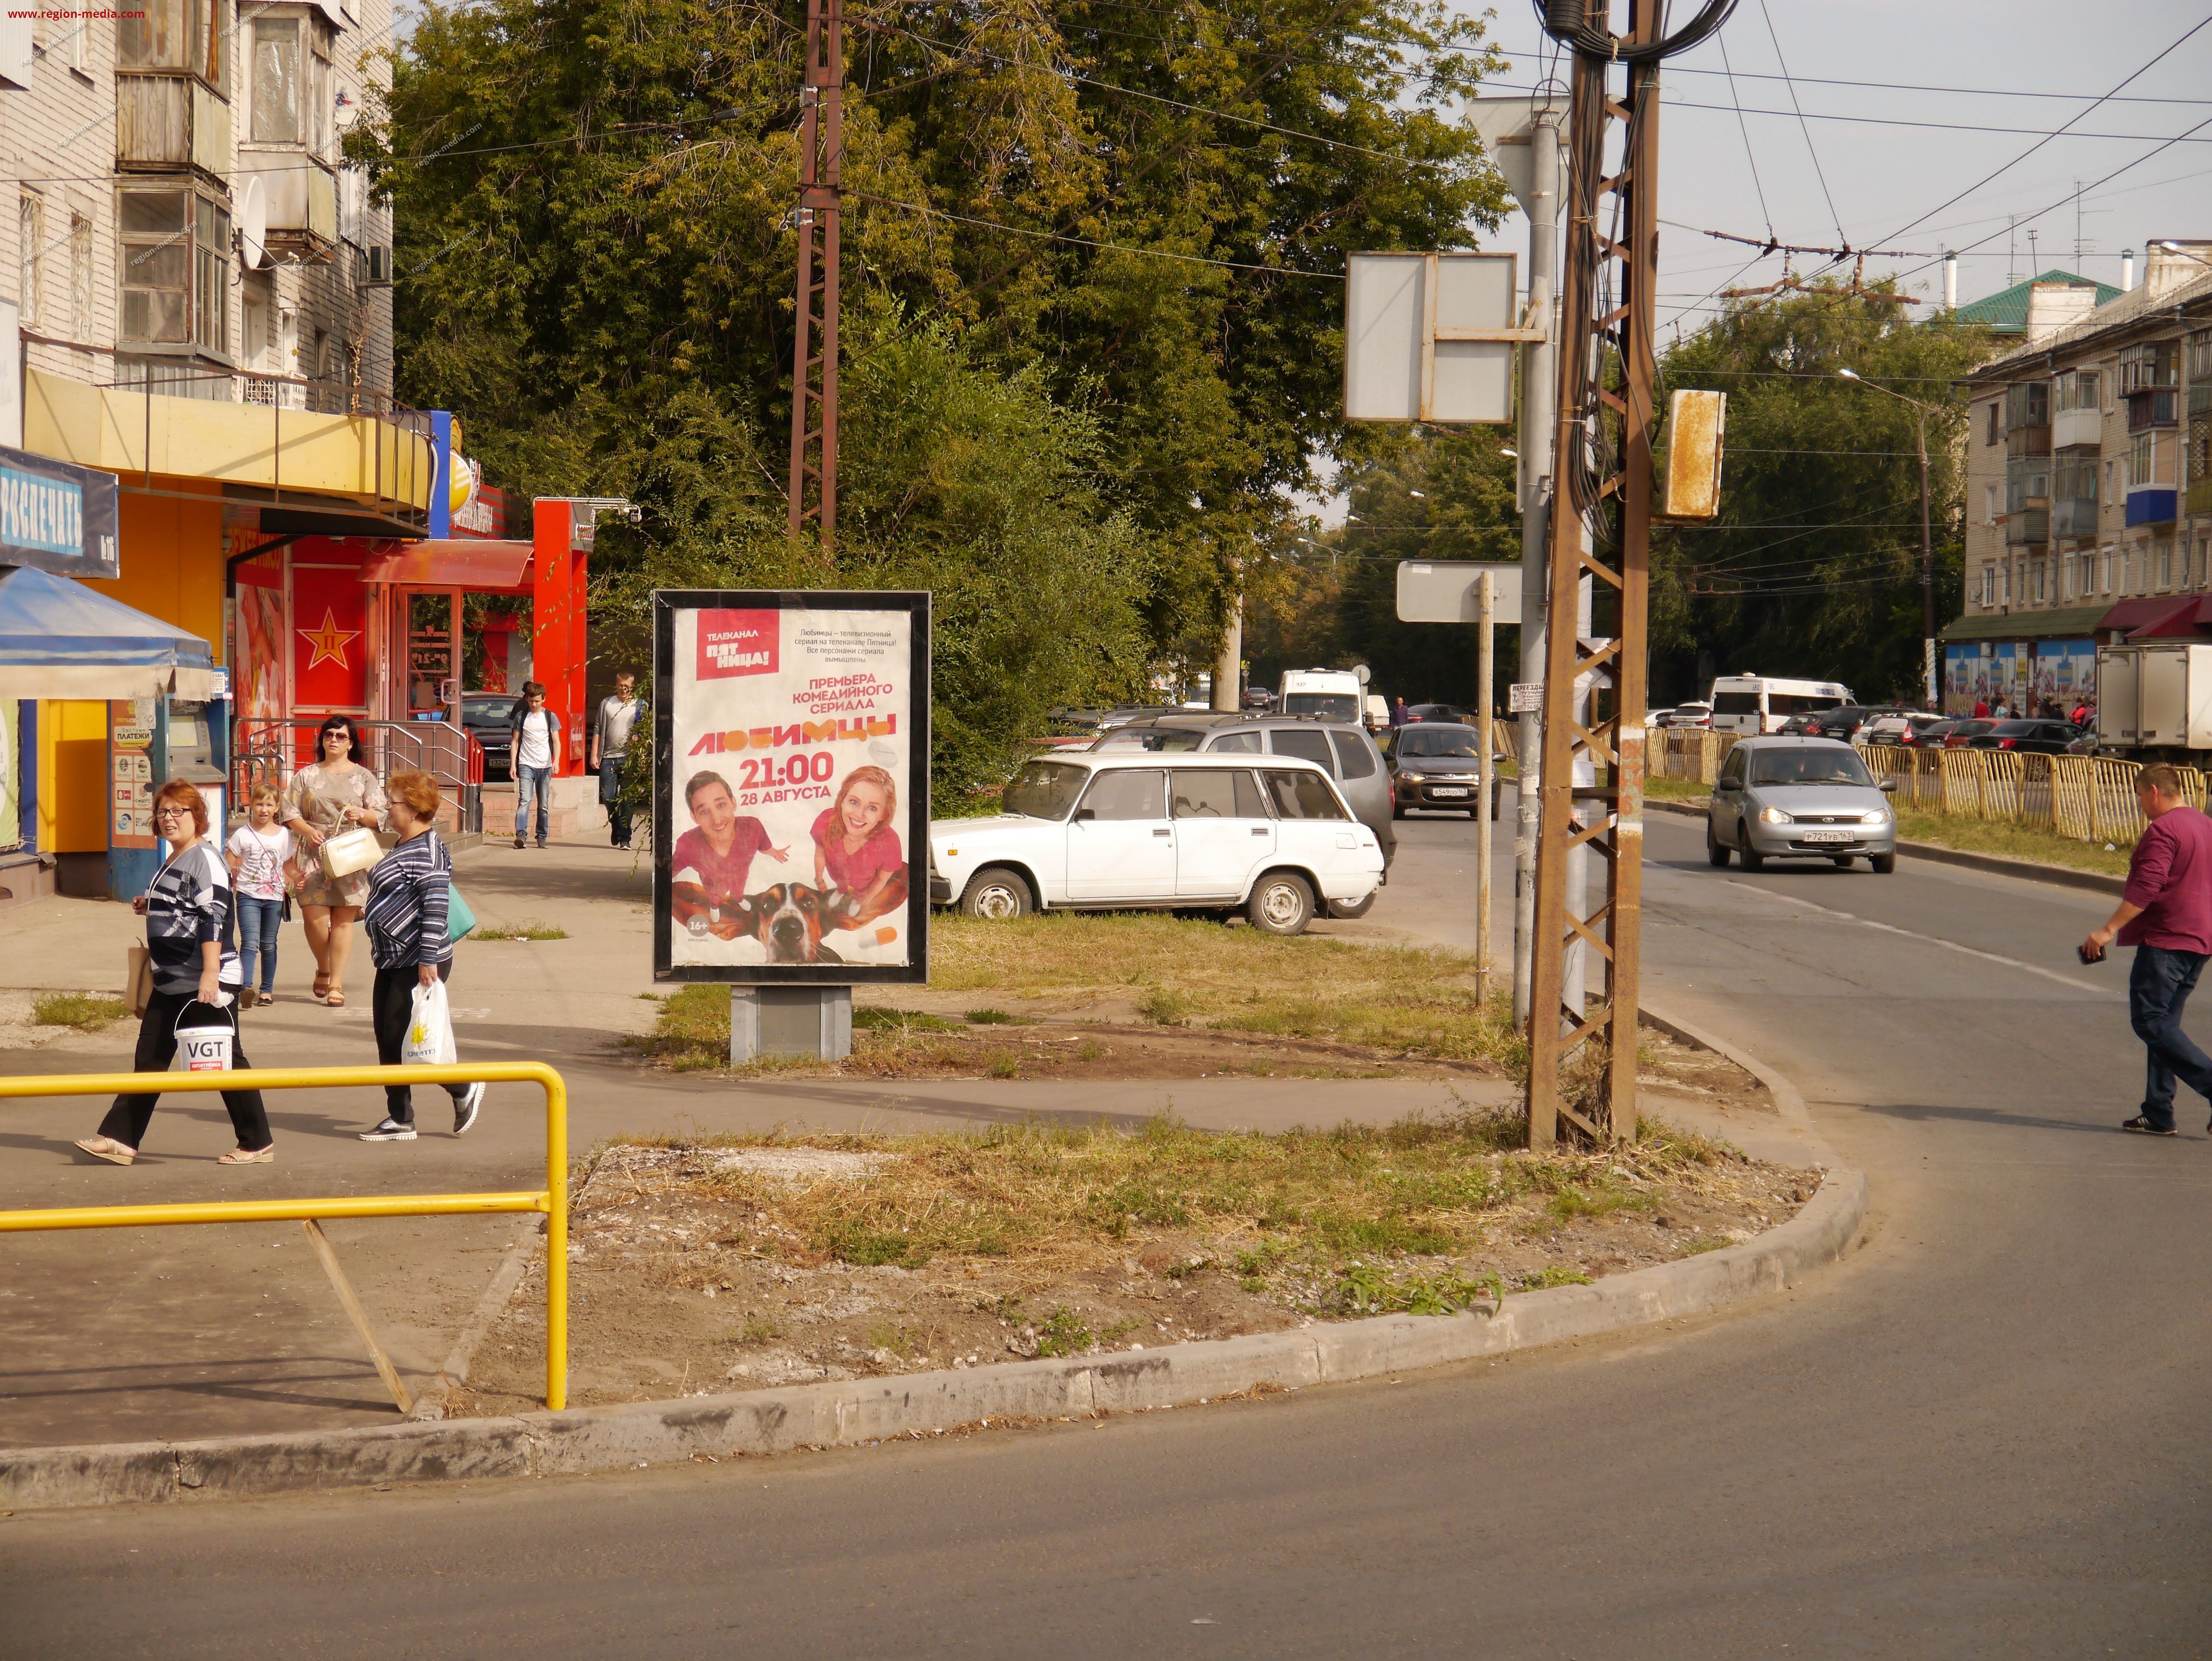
[(1926, 541)]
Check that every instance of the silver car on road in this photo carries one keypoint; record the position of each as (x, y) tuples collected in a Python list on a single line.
[(1800, 798)]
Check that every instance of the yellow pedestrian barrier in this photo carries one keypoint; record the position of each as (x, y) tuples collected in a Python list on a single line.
[(553, 1200)]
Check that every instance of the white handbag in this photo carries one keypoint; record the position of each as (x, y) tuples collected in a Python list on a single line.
[(349, 851)]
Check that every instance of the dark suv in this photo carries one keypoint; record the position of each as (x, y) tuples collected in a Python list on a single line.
[(1341, 746), (485, 715)]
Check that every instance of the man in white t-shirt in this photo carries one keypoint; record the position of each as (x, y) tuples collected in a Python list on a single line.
[(535, 750), (607, 746)]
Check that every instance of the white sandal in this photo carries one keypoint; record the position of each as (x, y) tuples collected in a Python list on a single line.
[(108, 1148), (249, 1156)]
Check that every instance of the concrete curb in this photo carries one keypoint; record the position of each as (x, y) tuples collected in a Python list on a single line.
[(848, 1412), (1996, 864)]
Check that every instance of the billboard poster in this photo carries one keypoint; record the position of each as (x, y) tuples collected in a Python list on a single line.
[(791, 787), (2065, 674), (1963, 678)]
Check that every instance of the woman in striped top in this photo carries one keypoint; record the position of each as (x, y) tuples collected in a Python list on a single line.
[(408, 890)]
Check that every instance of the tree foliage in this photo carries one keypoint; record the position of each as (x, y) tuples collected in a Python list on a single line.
[(1091, 261)]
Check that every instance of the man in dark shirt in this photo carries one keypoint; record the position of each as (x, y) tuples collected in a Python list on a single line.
[(2166, 914)]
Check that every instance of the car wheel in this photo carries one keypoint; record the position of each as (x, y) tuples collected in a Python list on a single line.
[(1752, 859), (1396, 810), (998, 893), (1716, 853), (1281, 903), (1346, 910), (1883, 864)]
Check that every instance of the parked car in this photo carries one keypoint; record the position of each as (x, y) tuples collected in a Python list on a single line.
[(1269, 836), (1839, 723), (1971, 727), (1343, 748), (1691, 715), (1896, 726), (2033, 738), (1450, 712), (1435, 768), (1790, 798), (484, 714), (1259, 697)]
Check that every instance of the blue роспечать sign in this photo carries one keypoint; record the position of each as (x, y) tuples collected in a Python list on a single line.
[(57, 517)]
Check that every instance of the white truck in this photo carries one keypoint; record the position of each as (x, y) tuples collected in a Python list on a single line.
[(1333, 693), (2156, 699)]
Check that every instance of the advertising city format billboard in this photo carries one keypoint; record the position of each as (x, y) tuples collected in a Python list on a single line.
[(791, 787)]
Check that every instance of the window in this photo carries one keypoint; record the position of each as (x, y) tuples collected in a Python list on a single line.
[(176, 34), (1041, 790), (2004, 584), (2108, 481), (1301, 795), (2068, 575), (1355, 759), (276, 90), (1989, 585), (1247, 743), (1125, 793), (2077, 391), (1995, 428), (1329, 706), (2107, 557), (2039, 567), (156, 265), (2200, 356), (1989, 504), (2166, 565), (211, 274), (1311, 745), (1203, 793), (81, 306), (2139, 456), (1735, 704), (1733, 767), (2152, 364), (75, 47), (31, 239)]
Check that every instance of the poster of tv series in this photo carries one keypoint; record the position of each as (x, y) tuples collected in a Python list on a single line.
[(794, 787)]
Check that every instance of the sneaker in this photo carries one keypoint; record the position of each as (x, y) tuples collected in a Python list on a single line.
[(392, 1130), (518, 839), (2144, 1127), (466, 1109), (541, 842)]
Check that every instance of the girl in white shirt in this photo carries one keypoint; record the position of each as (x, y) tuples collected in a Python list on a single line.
[(258, 854)]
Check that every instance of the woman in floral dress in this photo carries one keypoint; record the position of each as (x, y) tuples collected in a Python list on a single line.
[(329, 795)]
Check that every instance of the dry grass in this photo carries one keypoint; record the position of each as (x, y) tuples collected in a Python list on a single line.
[(86, 1012), (1317, 1207), (1401, 1003), (2012, 839), (522, 931)]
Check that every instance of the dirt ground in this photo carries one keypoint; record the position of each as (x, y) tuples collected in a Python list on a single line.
[(677, 1289)]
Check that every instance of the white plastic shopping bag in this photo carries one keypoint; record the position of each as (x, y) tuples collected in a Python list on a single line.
[(430, 1040)]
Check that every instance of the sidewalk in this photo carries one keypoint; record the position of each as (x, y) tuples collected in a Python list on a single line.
[(115, 1334)]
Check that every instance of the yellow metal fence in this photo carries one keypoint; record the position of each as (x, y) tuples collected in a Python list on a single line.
[(552, 1200), (2086, 798)]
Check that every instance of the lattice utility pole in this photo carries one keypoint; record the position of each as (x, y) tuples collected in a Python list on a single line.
[(1594, 755), (814, 353)]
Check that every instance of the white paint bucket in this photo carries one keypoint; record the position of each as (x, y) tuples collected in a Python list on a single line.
[(207, 1049)]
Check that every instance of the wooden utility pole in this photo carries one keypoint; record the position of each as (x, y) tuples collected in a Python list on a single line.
[(814, 351), (1603, 468), (1486, 781)]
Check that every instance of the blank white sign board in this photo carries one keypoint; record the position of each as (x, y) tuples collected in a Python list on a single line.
[(1449, 591), (1429, 337)]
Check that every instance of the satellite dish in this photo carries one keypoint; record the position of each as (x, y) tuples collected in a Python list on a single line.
[(253, 225)]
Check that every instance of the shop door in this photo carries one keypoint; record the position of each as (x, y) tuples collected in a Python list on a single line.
[(433, 690)]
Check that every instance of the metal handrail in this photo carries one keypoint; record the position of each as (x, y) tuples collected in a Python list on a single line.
[(269, 750), (553, 1200)]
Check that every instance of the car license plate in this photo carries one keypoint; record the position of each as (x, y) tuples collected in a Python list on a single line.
[(1449, 790), (1829, 836)]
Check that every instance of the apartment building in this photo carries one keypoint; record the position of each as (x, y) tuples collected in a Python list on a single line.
[(2088, 486)]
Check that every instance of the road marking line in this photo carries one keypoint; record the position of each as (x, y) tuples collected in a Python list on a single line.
[(2067, 981)]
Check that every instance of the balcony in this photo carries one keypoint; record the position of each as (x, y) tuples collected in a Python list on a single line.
[(2200, 399), (2151, 504), (171, 121), (2074, 516), (2026, 441), (2079, 430), (302, 195), (2161, 407), (2028, 527), (2200, 497)]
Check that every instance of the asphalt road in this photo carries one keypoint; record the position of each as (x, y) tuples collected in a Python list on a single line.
[(1982, 1435)]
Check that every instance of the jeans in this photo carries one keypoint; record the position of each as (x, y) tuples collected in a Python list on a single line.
[(127, 1120), (258, 921), (2158, 986), (391, 1005), (609, 792), (529, 781)]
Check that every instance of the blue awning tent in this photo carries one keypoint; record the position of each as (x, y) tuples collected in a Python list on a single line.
[(59, 639)]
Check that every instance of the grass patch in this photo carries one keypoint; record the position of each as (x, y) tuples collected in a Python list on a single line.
[(2012, 839), (521, 931), (992, 1018), (1359, 1218), (86, 1012), (1676, 789)]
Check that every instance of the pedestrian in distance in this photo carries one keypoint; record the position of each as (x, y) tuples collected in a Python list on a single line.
[(2079, 714), (1397, 712), (1981, 709), (187, 907), (2166, 914), (609, 745), (408, 939), (331, 795), (534, 732), (260, 854)]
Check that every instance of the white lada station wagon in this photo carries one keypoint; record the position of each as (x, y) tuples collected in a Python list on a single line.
[(1266, 835)]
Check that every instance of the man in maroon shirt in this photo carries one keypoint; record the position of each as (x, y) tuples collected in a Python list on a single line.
[(2166, 914)]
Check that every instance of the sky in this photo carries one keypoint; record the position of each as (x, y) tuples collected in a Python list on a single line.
[(2009, 73)]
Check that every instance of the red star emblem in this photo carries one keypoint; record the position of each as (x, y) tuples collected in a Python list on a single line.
[(329, 640)]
